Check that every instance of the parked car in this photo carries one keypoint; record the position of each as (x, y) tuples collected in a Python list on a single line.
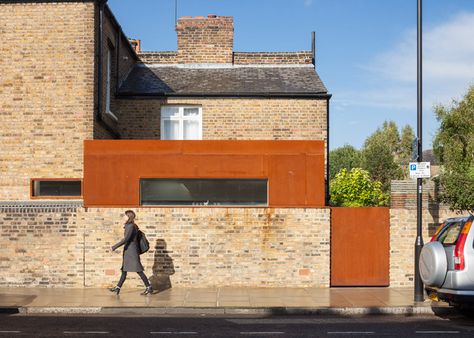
[(447, 262)]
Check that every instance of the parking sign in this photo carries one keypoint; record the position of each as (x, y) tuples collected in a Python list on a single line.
[(420, 169)]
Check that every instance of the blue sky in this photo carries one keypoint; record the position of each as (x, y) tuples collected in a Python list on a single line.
[(366, 50)]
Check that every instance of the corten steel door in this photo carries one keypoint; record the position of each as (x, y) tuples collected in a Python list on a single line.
[(360, 246), (113, 168)]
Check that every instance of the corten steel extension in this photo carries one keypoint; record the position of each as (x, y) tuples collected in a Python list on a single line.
[(113, 168)]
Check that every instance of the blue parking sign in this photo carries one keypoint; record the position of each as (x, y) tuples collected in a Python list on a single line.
[(412, 167)]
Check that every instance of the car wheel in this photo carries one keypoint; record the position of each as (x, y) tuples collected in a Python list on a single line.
[(433, 264)]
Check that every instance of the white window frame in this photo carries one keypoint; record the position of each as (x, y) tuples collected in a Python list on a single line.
[(108, 81), (167, 116)]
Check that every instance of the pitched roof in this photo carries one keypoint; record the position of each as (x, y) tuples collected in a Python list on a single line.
[(288, 81)]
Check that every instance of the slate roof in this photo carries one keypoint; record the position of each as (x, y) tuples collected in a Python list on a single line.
[(223, 81)]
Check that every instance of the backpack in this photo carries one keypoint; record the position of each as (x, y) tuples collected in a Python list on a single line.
[(144, 245)]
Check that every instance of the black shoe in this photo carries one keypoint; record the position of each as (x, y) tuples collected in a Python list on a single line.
[(115, 289), (148, 291)]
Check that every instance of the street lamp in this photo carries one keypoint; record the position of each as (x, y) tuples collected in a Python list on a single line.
[(419, 296)]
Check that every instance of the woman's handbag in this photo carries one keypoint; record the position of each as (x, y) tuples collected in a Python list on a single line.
[(144, 245)]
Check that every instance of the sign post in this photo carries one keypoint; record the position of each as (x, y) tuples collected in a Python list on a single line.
[(419, 293)]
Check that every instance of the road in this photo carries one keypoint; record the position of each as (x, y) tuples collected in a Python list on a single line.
[(236, 326)]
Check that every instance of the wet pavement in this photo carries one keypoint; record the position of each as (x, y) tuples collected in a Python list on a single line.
[(213, 298)]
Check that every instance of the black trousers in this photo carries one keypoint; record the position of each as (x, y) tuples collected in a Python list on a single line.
[(141, 274)]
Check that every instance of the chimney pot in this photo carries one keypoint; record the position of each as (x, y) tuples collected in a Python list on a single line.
[(212, 16)]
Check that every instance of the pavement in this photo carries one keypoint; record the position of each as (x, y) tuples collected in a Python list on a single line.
[(226, 300)]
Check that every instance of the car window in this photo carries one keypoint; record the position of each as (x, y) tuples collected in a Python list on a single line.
[(450, 234)]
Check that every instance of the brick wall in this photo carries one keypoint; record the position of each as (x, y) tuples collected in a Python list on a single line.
[(46, 92), (159, 57), (232, 119), (189, 247), (41, 246), (273, 58), (205, 40), (404, 193), (402, 240), (239, 58), (403, 223)]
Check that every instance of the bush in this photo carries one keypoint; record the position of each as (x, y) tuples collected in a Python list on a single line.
[(355, 189)]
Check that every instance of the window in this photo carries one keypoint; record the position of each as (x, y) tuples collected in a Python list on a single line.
[(181, 123), (450, 234), (108, 84), (212, 192), (56, 188)]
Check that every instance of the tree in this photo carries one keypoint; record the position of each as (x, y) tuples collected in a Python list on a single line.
[(383, 155), (355, 189), (454, 147), (379, 155), (346, 157), (406, 145)]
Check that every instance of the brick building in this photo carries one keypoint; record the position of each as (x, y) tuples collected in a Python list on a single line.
[(221, 153)]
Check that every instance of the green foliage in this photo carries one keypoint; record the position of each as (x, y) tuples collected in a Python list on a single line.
[(355, 189), (381, 154), (384, 157), (406, 144), (454, 147), (346, 157)]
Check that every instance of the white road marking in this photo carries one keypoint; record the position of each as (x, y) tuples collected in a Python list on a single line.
[(86, 332), (262, 332), (169, 332), (437, 332), (352, 332), (10, 331)]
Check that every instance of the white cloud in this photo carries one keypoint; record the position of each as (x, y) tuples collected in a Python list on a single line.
[(308, 3), (448, 68)]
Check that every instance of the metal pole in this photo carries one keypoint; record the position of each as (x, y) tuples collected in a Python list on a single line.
[(175, 13), (419, 294)]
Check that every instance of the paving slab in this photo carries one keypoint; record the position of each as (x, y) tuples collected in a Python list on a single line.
[(217, 300)]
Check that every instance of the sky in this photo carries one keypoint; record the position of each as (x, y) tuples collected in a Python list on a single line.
[(365, 50)]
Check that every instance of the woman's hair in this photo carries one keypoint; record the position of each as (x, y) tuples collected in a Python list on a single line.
[(131, 216)]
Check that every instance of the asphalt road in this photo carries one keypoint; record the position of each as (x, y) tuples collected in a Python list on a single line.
[(237, 326)]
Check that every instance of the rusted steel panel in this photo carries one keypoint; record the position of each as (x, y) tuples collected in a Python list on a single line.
[(360, 246), (112, 169)]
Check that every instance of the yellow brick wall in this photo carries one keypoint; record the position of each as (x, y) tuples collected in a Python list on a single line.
[(46, 92), (232, 118), (402, 240), (205, 40), (190, 247)]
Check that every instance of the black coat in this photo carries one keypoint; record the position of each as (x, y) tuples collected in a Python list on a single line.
[(131, 257)]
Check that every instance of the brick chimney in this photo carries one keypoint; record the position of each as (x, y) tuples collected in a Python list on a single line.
[(136, 44), (205, 40)]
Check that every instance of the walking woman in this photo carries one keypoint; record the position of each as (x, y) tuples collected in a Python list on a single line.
[(131, 254)]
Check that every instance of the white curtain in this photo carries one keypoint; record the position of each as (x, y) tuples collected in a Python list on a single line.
[(171, 129)]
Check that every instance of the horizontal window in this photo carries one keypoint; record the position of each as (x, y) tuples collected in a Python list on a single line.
[(56, 188), (212, 192)]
